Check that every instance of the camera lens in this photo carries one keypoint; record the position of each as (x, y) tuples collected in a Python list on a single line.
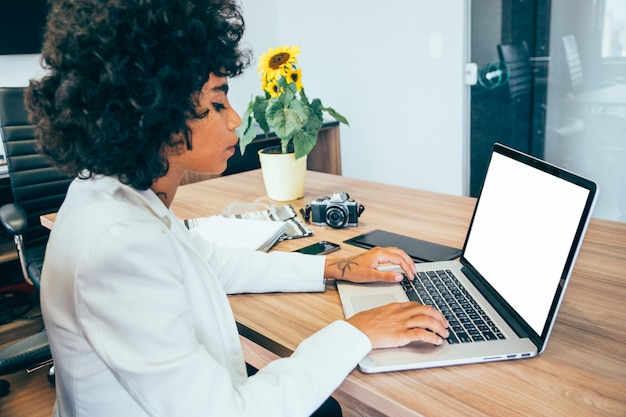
[(336, 217)]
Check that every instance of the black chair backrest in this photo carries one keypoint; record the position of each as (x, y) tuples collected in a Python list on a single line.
[(36, 185), (574, 65), (520, 87), (517, 59)]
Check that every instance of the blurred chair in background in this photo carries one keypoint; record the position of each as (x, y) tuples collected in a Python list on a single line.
[(38, 188)]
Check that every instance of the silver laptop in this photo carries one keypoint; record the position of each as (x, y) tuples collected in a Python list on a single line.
[(503, 294)]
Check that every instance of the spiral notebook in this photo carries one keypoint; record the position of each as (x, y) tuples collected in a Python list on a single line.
[(253, 229), (258, 235), (294, 226)]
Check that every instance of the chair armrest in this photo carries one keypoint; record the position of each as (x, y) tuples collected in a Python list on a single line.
[(13, 218), (27, 353)]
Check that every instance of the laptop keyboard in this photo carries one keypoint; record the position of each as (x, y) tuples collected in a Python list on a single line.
[(442, 290)]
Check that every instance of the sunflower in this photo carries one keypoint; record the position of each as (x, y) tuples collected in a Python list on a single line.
[(274, 60), (283, 108), (265, 82), (294, 75), (272, 88)]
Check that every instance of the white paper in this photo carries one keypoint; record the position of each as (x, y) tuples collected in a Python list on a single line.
[(246, 233)]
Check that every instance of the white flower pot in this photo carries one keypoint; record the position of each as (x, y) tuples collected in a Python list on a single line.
[(283, 175)]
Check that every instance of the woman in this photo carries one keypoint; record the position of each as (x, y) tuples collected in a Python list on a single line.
[(135, 307)]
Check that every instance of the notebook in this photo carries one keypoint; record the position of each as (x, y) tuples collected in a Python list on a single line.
[(523, 239), (253, 234)]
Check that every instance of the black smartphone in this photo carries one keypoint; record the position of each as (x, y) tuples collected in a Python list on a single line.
[(319, 248)]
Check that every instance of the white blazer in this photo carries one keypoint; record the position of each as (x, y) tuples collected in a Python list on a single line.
[(139, 322)]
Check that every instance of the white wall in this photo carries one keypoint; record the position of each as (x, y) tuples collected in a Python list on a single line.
[(381, 67), (395, 71), (16, 70)]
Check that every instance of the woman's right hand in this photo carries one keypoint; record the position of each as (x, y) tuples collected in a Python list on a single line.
[(398, 324)]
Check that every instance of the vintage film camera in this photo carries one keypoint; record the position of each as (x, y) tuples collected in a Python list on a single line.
[(337, 211)]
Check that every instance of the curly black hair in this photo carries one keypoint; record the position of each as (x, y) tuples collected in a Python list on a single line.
[(123, 79)]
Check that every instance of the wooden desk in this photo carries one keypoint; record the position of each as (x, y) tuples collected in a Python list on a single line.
[(582, 372)]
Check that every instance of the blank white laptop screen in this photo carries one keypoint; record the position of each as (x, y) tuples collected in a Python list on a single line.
[(524, 214)]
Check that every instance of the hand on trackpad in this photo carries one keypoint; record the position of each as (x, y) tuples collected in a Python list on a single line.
[(367, 302)]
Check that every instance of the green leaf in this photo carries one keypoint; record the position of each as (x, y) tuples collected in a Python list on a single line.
[(282, 82), (286, 119), (336, 115), (291, 118), (287, 97), (246, 136), (259, 106), (255, 112), (303, 97), (303, 142), (292, 88), (316, 116), (246, 131), (246, 119)]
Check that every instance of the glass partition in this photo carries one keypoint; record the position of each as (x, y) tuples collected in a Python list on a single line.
[(552, 82), (586, 98)]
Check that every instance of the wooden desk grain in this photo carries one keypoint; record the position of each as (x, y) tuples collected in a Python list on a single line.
[(582, 372)]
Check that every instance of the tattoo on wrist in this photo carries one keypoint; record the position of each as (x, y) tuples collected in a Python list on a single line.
[(346, 264)]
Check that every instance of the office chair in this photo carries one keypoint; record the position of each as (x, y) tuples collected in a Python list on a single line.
[(517, 60), (578, 82), (38, 188), (573, 64), (519, 86)]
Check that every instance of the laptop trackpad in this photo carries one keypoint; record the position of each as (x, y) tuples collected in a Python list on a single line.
[(367, 302)]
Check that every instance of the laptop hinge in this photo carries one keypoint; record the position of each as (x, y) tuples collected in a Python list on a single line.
[(514, 320)]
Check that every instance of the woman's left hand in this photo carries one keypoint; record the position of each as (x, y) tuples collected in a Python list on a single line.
[(364, 267)]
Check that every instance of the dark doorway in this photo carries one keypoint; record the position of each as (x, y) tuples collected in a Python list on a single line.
[(509, 44)]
